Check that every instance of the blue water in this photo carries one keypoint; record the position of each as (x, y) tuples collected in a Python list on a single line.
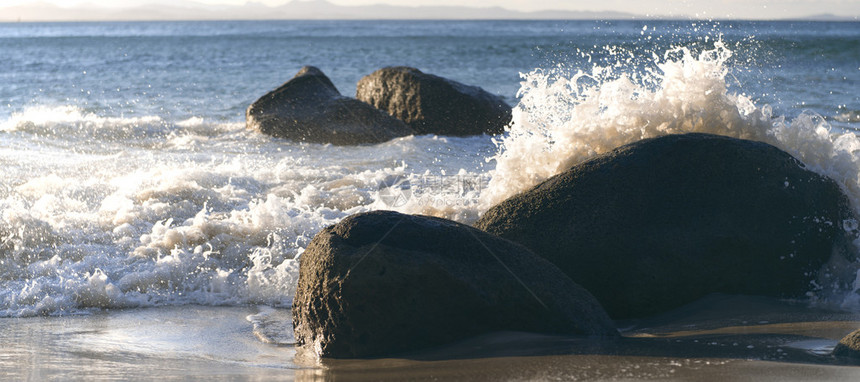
[(130, 181), (215, 69)]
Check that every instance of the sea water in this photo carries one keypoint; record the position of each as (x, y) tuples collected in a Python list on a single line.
[(130, 181)]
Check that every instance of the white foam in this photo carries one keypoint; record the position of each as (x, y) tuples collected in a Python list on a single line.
[(103, 211), (72, 121), (194, 211), (564, 120)]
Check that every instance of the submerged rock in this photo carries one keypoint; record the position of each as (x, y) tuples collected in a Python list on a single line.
[(381, 283), (308, 108), (659, 223), (849, 346), (434, 105)]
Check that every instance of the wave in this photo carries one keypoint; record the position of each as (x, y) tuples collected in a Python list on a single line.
[(170, 212), (220, 219), (847, 116), (562, 121), (57, 257), (566, 119), (69, 124)]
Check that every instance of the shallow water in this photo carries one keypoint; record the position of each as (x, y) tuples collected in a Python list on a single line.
[(130, 181), (171, 342), (717, 338)]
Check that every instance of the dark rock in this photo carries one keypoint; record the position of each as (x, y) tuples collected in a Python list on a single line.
[(308, 108), (849, 346), (434, 105), (381, 283), (662, 222)]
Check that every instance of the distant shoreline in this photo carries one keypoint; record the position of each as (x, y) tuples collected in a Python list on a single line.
[(182, 10), (813, 20)]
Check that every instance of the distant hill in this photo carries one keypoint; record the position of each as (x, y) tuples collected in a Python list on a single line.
[(309, 10), (295, 10), (828, 17)]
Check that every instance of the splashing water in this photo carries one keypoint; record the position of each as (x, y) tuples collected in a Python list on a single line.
[(116, 212), (564, 120), (103, 210)]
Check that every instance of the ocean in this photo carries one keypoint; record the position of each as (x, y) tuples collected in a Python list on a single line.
[(133, 198)]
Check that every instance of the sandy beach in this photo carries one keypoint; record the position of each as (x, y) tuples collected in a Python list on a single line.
[(715, 339)]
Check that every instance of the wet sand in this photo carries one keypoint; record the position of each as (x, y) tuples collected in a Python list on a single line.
[(718, 338), (141, 344)]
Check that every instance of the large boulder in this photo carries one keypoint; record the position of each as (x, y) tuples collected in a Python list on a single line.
[(659, 223), (849, 346), (381, 283), (308, 108), (434, 105)]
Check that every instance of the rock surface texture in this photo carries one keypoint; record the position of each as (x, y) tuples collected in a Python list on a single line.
[(434, 105), (662, 222), (308, 108), (849, 346), (382, 283)]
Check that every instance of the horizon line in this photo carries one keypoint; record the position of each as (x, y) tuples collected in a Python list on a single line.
[(812, 18), (151, 12)]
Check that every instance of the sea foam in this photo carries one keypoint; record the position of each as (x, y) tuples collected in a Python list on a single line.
[(100, 211), (111, 211), (563, 120)]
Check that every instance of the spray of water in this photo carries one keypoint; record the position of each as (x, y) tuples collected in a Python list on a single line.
[(563, 120)]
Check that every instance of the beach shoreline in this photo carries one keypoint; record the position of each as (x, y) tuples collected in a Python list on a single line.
[(703, 341)]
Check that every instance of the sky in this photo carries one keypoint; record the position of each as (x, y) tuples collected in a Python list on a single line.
[(759, 9)]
